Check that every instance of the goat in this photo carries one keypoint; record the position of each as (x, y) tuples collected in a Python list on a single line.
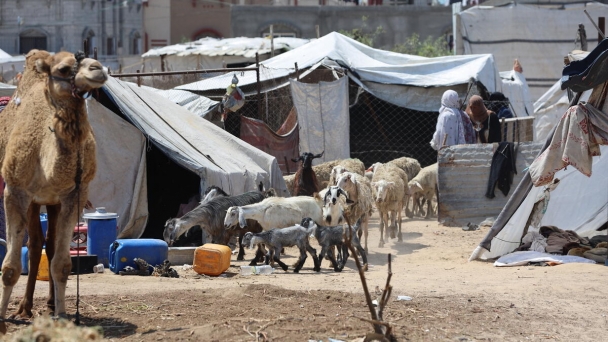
[(328, 237), (305, 180), (275, 212), (360, 193), (213, 192), (277, 238), (209, 216)]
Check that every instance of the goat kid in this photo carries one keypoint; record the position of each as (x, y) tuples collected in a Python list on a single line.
[(277, 238)]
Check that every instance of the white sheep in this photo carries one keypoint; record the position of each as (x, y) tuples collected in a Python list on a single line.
[(411, 167), (388, 189), (346, 165), (424, 185), (276, 212), (359, 192)]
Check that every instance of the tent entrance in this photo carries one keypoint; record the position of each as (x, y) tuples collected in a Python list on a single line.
[(169, 186)]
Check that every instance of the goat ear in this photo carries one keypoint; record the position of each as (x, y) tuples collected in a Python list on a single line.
[(349, 201), (416, 184), (295, 160), (242, 221)]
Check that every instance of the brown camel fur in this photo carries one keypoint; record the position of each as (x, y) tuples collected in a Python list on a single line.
[(48, 158)]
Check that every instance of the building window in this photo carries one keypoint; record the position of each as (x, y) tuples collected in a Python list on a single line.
[(110, 46), (135, 47), (32, 39), (90, 42)]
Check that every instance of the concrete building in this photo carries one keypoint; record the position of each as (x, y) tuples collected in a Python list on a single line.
[(115, 28), (191, 20)]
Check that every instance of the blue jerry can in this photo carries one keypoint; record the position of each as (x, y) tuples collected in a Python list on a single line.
[(123, 251)]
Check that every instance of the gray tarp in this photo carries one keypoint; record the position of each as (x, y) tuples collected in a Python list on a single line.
[(323, 118), (393, 77), (196, 144), (120, 181)]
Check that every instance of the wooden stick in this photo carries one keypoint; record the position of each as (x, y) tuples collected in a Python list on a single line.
[(445, 138), (368, 298)]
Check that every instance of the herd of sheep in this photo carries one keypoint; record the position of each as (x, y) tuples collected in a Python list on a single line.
[(325, 197)]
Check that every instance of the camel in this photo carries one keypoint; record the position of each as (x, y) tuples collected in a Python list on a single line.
[(48, 158)]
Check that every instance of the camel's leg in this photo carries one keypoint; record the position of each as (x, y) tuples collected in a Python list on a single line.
[(53, 215), (16, 203), (34, 246), (61, 266)]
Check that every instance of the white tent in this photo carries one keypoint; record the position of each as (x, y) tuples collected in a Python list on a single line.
[(404, 80), (579, 203), (120, 181), (217, 157), (213, 53)]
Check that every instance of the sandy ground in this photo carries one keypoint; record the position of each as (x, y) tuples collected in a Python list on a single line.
[(452, 299)]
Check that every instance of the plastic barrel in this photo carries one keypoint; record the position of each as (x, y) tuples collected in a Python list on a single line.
[(44, 223), (2, 250), (100, 234)]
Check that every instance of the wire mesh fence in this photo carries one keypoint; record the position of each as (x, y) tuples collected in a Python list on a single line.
[(379, 130)]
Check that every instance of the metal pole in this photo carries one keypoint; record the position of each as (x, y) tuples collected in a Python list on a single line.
[(184, 72), (317, 30), (259, 84), (297, 72), (593, 22), (271, 41), (601, 22), (138, 79)]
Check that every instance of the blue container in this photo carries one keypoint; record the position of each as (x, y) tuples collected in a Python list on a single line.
[(44, 223), (123, 251), (25, 258), (2, 250), (101, 233)]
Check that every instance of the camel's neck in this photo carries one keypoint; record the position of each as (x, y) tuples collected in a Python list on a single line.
[(70, 121)]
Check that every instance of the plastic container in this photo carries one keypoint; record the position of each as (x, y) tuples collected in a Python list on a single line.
[(181, 255), (101, 233), (211, 259), (249, 270), (44, 223), (2, 250), (25, 259), (123, 251), (43, 268)]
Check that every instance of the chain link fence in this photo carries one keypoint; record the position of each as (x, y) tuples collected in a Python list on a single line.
[(379, 131)]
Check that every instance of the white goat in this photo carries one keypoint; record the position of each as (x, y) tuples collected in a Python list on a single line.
[(359, 192), (276, 212)]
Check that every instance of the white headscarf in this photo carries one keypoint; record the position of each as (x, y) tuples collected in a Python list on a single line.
[(449, 121), (450, 100)]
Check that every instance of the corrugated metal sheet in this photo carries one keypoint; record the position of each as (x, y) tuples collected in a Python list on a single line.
[(463, 176), (241, 46)]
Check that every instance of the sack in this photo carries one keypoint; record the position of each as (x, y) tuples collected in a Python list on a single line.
[(234, 98)]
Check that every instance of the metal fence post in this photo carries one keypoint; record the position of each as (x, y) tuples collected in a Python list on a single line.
[(258, 84)]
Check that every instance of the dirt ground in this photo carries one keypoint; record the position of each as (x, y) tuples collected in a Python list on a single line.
[(452, 299)]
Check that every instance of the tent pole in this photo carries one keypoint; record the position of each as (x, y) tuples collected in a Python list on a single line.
[(259, 86)]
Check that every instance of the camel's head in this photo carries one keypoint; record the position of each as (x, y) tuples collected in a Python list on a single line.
[(72, 75)]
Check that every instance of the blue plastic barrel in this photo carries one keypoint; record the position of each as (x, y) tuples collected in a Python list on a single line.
[(101, 233), (2, 250), (24, 260), (123, 251), (44, 222)]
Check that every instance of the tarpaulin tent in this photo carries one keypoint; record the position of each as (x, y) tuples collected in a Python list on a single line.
[(197, 145), (120, 183), (404, 80)]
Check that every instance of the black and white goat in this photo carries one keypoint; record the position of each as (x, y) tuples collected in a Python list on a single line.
[(328, 237), (277, 238)]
